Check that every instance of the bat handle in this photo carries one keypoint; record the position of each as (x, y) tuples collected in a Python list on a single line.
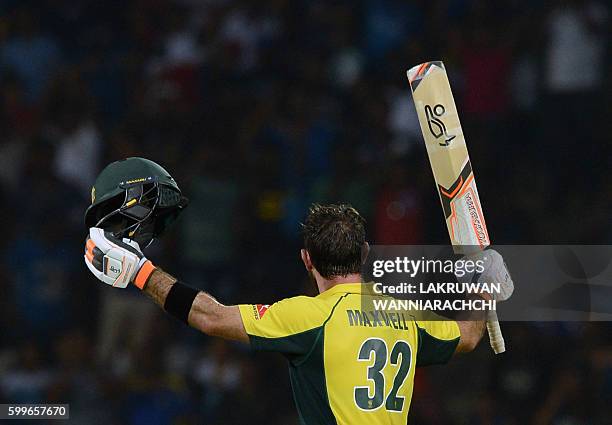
[(495, 334)]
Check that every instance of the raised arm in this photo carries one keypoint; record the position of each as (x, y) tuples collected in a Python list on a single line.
[(471, 331), (120, 262), (495, 271), (440, 339), (206, 314)]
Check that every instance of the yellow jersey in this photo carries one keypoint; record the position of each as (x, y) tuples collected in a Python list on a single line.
[(348, 363)]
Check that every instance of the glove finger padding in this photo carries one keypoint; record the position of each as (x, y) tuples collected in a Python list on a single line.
[(495, 272), (93, 254), (498, 273), (110, 259), (94, 264), (106, 241)]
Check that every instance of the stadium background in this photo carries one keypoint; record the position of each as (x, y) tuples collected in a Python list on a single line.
[(258, 109)]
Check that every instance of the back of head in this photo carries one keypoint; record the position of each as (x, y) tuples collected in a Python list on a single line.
[(334, 236)]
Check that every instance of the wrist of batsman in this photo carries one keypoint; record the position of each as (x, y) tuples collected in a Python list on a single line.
[(483, 295), (143, 275)]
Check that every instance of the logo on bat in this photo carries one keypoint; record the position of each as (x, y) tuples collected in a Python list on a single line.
[(436, 126)]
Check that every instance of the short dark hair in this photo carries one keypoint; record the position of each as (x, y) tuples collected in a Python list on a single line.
[(334, 236)]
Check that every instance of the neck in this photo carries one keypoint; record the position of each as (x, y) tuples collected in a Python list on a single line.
[(325, 284)]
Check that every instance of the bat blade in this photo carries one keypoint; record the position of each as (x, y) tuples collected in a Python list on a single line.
[(451, 166), (448, 156)]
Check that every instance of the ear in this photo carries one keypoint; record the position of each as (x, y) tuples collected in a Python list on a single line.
[(365, 250), (306, 259)]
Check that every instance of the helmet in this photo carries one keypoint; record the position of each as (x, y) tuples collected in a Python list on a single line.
[(134, 198)]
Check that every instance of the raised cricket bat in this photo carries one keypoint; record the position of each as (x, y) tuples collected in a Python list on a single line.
[(451, 167)]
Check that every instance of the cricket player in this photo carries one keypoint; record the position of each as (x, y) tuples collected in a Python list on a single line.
[(346, 365)]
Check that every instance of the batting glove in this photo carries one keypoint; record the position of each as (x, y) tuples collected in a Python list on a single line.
[(114, 261), (496, 272)]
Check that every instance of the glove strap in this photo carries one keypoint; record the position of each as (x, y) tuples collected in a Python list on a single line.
[(144, 274)]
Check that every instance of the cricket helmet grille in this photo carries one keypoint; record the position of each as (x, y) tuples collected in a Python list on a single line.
[(134, 198)]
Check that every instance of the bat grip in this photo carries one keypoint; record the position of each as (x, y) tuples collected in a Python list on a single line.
[(496, 339)]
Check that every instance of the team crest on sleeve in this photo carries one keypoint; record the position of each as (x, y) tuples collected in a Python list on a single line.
[(260, 310)]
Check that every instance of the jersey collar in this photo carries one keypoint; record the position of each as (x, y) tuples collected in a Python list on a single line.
[(345, 288)]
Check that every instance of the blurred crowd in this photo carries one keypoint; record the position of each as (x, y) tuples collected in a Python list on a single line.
[(259, 109)]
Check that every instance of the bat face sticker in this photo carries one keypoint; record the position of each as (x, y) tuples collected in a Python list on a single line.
[(436, 126), (452, 169)]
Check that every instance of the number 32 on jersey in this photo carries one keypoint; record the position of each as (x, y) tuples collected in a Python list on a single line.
[(376, 394)]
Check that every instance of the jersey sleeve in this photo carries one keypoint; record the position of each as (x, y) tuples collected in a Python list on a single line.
[(290, 326), (438, 340)]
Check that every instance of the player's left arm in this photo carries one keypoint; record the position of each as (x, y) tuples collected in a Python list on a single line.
[(471, 334), (120, 262), (471, 331), (440, 339), (494, 271)]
